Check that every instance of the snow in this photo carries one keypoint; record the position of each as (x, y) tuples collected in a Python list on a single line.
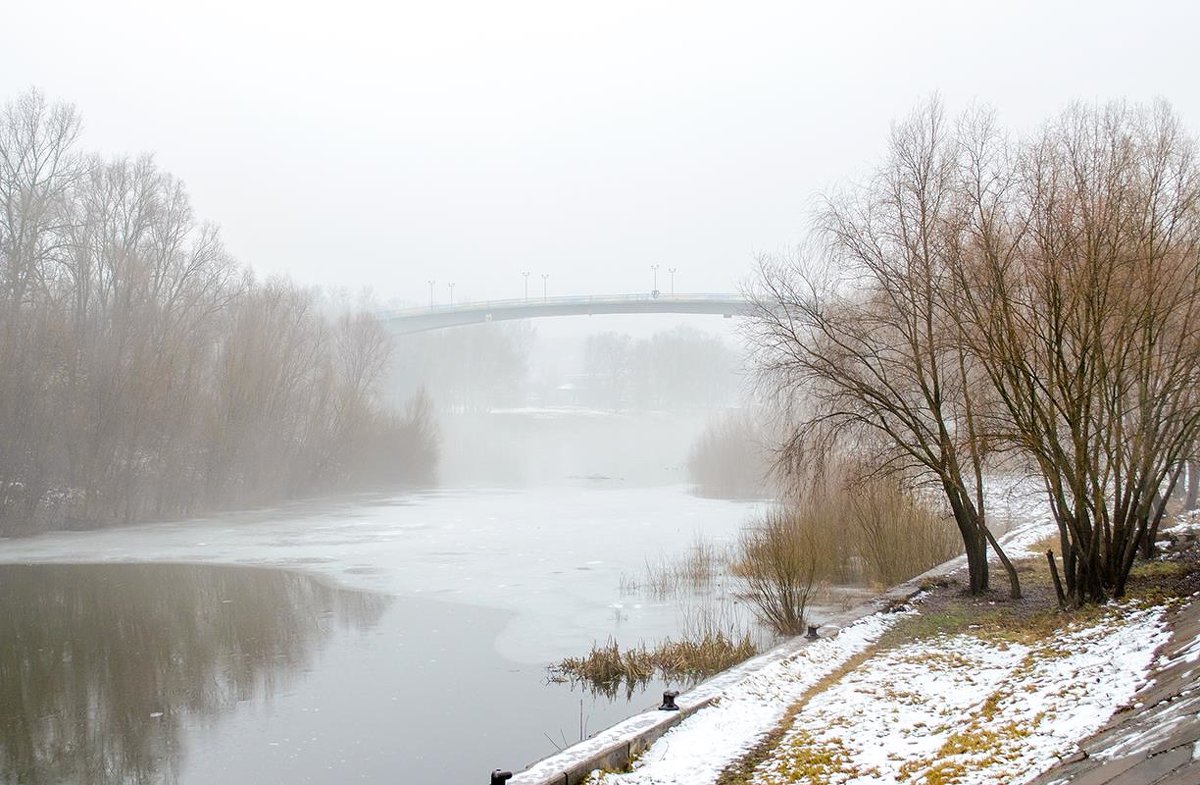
[(699, 748), (981, 710)]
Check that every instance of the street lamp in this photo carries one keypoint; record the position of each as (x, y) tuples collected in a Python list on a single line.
[(526, 277), (672, 270), (654, 290), (431, 283), (545, 277), (451, 285)]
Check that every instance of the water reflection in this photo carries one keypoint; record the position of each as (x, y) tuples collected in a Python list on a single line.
[(103, 666)]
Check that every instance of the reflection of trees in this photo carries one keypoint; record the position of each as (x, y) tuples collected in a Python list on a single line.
[(101, 666)]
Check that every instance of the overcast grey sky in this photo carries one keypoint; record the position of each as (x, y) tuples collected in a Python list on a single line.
[(385, 144)]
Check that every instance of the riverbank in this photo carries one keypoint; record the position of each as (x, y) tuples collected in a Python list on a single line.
[(948, 689)]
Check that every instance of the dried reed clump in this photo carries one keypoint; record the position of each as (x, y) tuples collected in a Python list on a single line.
[(898, 534), (607, 669), (778, 562)]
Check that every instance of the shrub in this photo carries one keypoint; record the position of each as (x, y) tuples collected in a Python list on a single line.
[(843, 529), (779, 564)]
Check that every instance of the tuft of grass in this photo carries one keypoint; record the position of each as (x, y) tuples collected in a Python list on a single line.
[(814, 761)]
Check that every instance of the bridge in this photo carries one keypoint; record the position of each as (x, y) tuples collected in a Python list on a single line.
[(437, 317)]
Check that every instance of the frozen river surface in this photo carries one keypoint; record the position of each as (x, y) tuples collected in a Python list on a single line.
[(417, 655)]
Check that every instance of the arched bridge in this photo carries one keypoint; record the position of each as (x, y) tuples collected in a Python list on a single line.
[(437, 317)]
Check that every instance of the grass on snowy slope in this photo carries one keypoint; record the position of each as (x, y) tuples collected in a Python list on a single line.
[(972, 690)]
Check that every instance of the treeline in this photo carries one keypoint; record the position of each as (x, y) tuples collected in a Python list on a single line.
[(144, 373), (466, 369), (677, 368), (987, 301)]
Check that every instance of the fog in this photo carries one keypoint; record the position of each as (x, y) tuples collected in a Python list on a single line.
[(374, 145), (207, 213)]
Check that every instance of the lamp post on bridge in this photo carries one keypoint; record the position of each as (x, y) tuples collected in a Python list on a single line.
[(525, 275), (431, 283), (672, 270), (654, 290), (545, 277), (451, 285)]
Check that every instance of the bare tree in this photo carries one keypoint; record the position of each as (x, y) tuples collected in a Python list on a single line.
[(38, 165), (1082, 282), (143, 372), (860, 339)]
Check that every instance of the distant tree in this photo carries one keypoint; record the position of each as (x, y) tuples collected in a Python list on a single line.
[(683, 367), (143, 372), (473, 368), (608, 359), (731, 458), (38, 167)]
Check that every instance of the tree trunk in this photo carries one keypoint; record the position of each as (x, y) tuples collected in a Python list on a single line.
[(974, 543), (1193, 485), (1014, 581)]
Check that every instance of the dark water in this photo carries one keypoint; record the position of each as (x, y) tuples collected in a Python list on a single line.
[(168, 673)]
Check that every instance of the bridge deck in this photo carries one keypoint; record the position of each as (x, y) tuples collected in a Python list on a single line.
[(438, 317)]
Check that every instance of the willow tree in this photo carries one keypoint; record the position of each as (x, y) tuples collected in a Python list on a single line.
[(1080, 283), (859, 333)]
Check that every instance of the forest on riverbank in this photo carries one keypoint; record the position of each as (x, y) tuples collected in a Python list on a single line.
[(145, 373)]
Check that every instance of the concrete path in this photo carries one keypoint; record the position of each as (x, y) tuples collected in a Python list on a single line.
[(1156, 740)]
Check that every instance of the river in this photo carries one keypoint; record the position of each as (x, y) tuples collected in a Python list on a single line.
[(399, 637)]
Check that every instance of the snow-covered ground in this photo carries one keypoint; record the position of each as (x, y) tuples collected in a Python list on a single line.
[(976, 710), (961, 708), (697, 750), (965, 709)]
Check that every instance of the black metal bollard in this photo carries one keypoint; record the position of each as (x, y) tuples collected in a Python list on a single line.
[(500, 777), (812, 632), (668, 703)]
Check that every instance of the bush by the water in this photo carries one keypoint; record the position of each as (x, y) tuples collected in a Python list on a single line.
[(842, 530)]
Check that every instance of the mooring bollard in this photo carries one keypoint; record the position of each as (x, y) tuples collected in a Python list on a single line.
[(500, 777), (668, 703), (812, 632)]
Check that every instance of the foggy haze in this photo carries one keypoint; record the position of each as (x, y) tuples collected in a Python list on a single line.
[(208, 212), (382, 145)]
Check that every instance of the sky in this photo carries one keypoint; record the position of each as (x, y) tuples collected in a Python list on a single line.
[(380, 146)]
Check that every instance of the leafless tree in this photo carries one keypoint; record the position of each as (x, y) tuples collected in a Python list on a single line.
[(1081, 279), (859, 338), (143, 372)]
